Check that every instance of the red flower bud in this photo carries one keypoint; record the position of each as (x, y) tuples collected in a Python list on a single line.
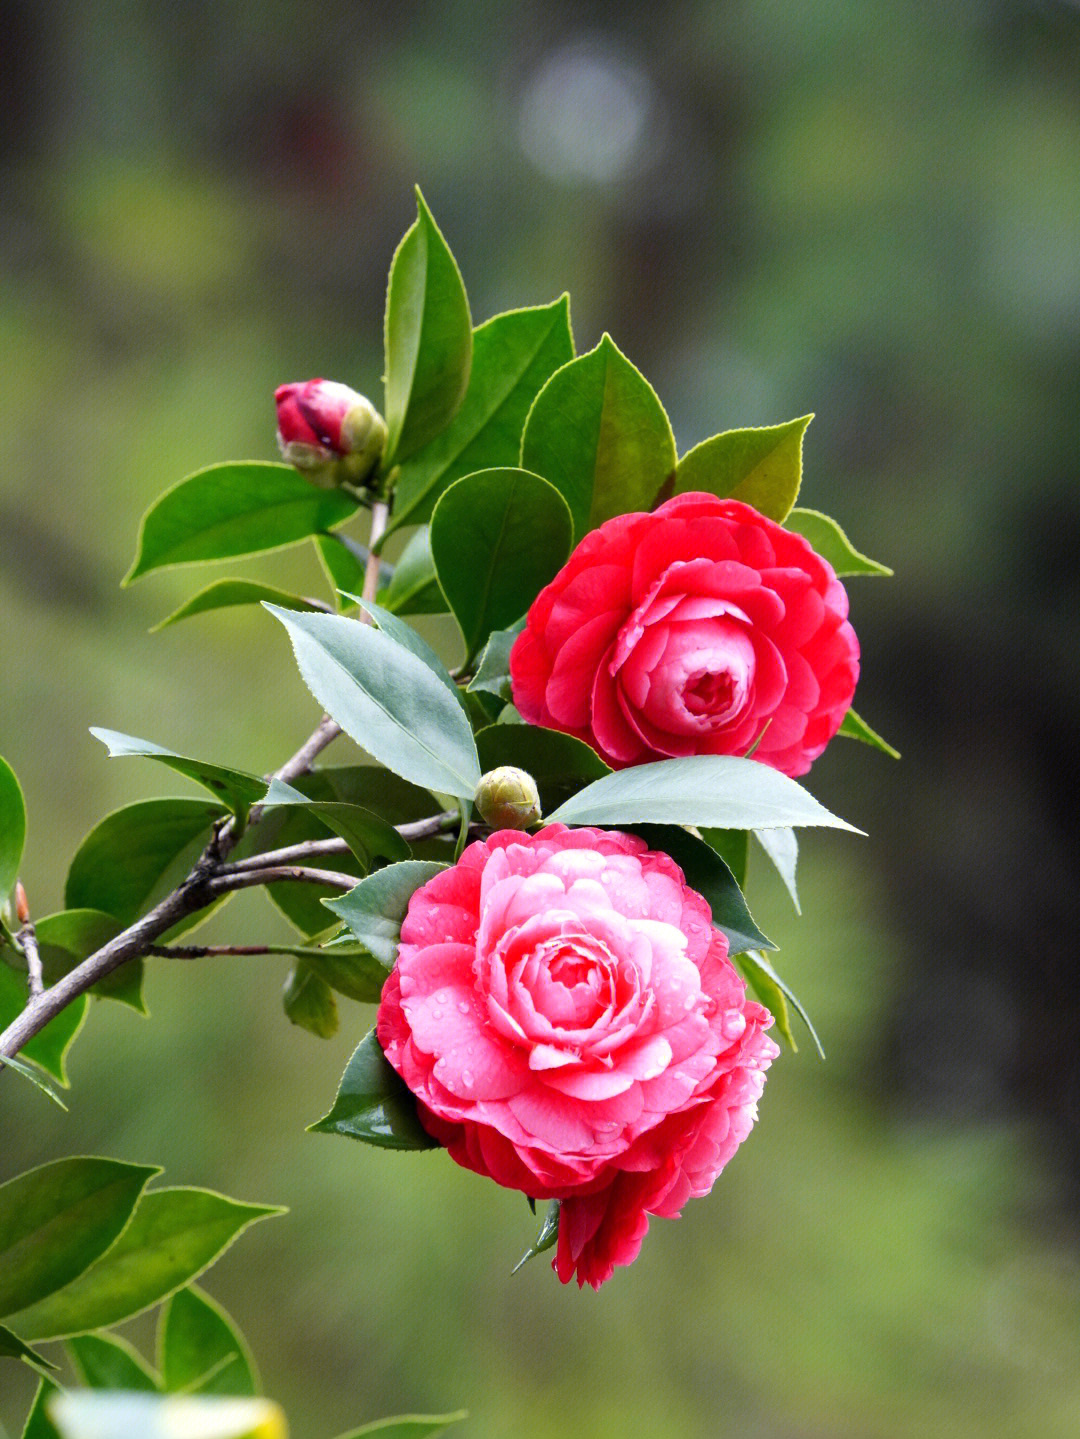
[(328, 431)]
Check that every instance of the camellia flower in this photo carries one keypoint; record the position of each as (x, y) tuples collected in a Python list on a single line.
[(702, 628), (572, 1027), (328, 431)]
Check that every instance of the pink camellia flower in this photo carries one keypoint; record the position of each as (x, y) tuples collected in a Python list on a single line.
[(701, 628), (325, 428), (572, 1027)]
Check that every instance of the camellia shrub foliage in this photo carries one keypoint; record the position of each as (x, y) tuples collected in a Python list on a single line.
[(538, 876)]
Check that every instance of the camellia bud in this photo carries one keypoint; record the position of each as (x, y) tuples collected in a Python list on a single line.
[(329, 432), (507, 798)]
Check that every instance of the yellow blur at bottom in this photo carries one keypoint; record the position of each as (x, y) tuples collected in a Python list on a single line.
[(117, 1415)]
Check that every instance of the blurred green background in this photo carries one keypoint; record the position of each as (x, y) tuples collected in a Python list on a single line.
[(865, 208)]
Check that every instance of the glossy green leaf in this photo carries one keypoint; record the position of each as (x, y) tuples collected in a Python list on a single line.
[(782, 847), (770, 994), (493, 668), (367, 834), (854, 727), (713, 790), (12, 1347), (225, 594), (428, 339), (67, 938), (137, 855), (173, 1236), (309, 1001), (754, 964), (376, 907), (762, 467), (513, 355), (49, 1046), (233, 787), (38, 1424), (826, 536), (404, 634), (345, 561), (733, 847), (385, 699), (374, 1104), (36, 1077), (559, 763), (84, 1414), (105, 1361), (200, 1350), (12, 830), (497, 538), (350, 969), (547, 1235), (707, 873), (407, 1426), (234, 509), (598, 432), (414, 588), (57, 1220)]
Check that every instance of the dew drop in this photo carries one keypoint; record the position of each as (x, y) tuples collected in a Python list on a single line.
[(436, 1012), (689, 1001), (732, 1024), (467, 1078), (441, 997), (463, 1005)]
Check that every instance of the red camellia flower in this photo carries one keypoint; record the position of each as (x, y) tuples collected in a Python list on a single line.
[(571, 1026), (698, 629), (322, 423)]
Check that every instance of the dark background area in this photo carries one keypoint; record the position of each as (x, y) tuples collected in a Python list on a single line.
[(868, 210)]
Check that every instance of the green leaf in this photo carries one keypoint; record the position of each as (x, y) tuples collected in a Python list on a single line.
[(493, 670), (229, 510), (49, 1046), (374, 1104), (386, 699), (713, 790), (829, 540), (497, 537), (105, 1361), (375, 908), (855, 728), (428, 339), (762, 467), (137, 855), (513, 355), (173, 1236), (782, 847), (733, 847), (345, 562), (367, 834), (38, 1423), (407, 1426), (84, 1414), (35, 1076), (405, 635), (771, 996), (233, 787), (58, 1219), (12, 1347), (559, 763), (224, 594), (755, 964), (309, 1001), (706, 872), (200, 1350), (547, 1236), (67, 938), (349, 969), (598, 432), (414, 589), (12, 830)]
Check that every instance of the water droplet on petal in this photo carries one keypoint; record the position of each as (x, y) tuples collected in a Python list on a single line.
[(441, 997), (689, 1001), (463, 1005), (436, 1012), (466, 1078), (732, 1024)]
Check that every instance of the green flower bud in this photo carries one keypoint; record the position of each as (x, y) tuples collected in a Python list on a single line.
[(507, 798)]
